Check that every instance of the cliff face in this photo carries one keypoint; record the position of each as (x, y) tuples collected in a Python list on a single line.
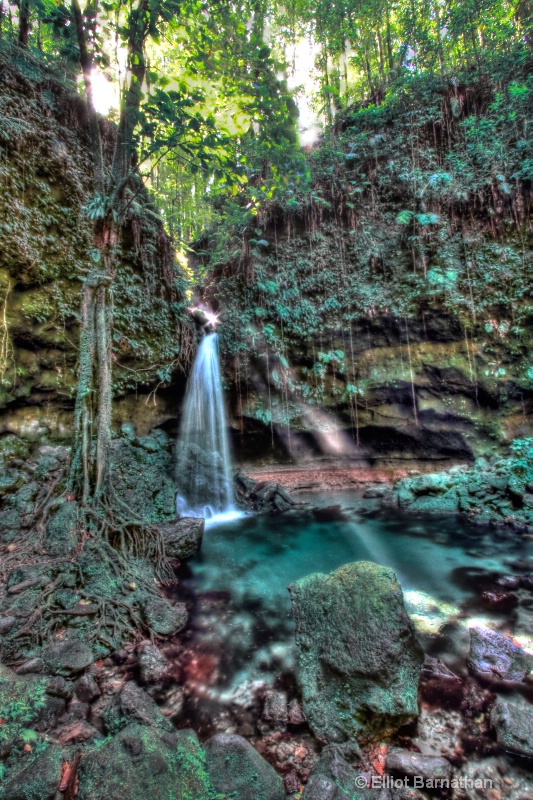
[(389, 287), (45, 250), (383, 389)]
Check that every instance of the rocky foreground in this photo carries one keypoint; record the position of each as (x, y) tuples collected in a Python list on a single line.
[(93, 705)]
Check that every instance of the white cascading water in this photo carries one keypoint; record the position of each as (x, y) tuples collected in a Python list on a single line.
[(203, 466)]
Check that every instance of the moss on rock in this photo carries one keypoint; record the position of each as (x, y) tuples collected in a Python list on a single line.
[(359, 660)]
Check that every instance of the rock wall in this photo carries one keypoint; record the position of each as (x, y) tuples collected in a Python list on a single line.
[(400, 389), (45, 250)]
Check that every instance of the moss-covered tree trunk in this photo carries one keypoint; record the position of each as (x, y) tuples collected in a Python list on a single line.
[(93, 408)]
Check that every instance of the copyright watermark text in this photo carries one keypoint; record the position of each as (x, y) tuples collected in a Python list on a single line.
[(421, 782)]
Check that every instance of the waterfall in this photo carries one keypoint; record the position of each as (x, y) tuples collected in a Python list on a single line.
[(203, 466)]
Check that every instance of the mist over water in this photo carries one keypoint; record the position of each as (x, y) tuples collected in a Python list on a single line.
[(203, 465)]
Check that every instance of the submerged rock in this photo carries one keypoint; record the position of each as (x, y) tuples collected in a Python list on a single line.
[(359, 659), (238, 771), (496, 657), (513, 722)]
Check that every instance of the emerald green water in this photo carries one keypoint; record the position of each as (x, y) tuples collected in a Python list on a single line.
[(242, 614)]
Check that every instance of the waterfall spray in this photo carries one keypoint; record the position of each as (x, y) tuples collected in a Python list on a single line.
[(203, 467)]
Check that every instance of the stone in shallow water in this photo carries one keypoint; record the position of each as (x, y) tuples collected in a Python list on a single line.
[(183, 537), (429, 767), (359, 660), (513, 722), (238, 771), (495, 656)]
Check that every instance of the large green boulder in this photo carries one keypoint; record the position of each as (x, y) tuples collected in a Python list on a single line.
[(359, 660)]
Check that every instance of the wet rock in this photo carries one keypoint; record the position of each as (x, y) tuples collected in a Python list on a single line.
[(237, 770), (261, 495), (136, 704), (87, 689), (333, 778), (152, 663), (491, 779), (275, 712), (183, 538), (359, 660), (527, 500), (6, 624), (319, 787), (39, 777), (499, 601), (30, 666), (513, 722), (164, 618), (509, 581), (494, 656), (67, 657), (59, 687), (142, 762), (296, 714), (407, 763), (437, 682)]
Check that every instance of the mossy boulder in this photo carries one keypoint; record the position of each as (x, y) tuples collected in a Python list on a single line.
[(40, 775), (238, 772), (12, 448), (142, 762), (140, 478), (359, 659)]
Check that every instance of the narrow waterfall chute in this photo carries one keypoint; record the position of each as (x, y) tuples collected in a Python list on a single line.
[(203, 465)]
